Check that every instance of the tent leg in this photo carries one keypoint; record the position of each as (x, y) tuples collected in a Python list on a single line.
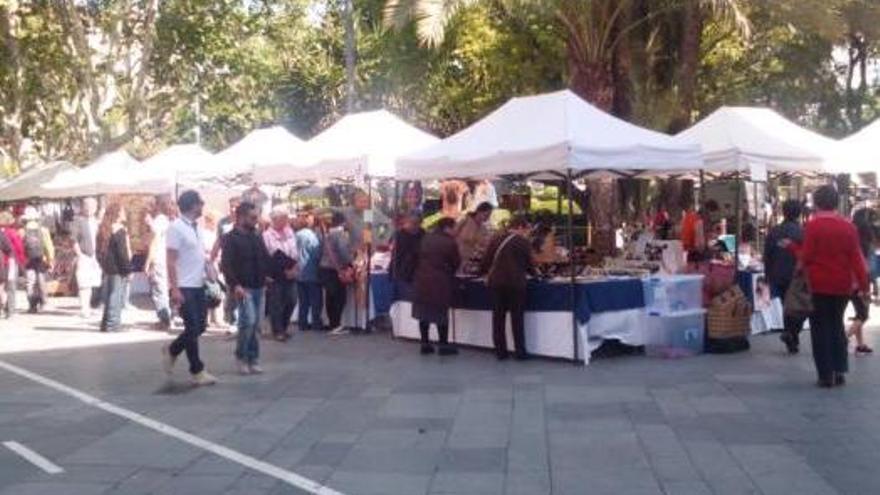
[(369, 257), (737, 222), (571, 263)]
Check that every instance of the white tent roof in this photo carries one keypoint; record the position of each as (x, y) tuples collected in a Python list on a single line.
[(552, 132), (175, 163), (733, 138), (272, 146), (29, 183), (366, 143), (112, 173), (864, 146)]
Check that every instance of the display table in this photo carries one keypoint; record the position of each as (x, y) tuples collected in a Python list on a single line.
[(607, 309)]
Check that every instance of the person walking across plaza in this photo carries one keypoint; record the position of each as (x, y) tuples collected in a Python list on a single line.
[(281, 293), (336, 272), (225, 226), (88, 270), (157, 261), (863, 219), (311, 298), (187, 270), (7, 255), (835, 269), (15, 262), (507, 263), (39, 257), (780, 266), (114, 256), (434, 285), (246, 266)]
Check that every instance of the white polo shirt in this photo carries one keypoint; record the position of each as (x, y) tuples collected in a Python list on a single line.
[(183, 237)]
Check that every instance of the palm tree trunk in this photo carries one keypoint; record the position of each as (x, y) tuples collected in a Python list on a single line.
[(692, 33), (350, 54)]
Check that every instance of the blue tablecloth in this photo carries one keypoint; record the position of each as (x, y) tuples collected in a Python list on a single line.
[(590, 297)]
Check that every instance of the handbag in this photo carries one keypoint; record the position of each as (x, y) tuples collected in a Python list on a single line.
[(798, 301), (347, 275)]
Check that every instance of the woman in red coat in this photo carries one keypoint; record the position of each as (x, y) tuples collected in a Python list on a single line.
[(835, 269)]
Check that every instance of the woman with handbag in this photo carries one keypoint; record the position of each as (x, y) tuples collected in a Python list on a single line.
[(336, 272), (835, 269), (780, 268), (434, 285)]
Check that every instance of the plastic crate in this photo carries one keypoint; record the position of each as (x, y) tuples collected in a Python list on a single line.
[(676, 335), (673, 294)]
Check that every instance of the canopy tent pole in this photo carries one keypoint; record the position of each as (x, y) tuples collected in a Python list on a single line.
[(737, 222), (571, 263), (702, 187)]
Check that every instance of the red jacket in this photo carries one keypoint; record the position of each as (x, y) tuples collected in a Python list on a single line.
[(832, 256), (17, 245)]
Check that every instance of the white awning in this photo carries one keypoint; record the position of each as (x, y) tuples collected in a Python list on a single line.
[(29, 184), (554, 132), (112, 173)]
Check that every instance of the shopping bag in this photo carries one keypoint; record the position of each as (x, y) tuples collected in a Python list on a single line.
[(798, 302)]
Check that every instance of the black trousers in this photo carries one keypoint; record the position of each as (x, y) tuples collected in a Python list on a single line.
[(442, 333), (508, 300), (334, 295), (194, 312), (828, 335), (792, 324), (280, 301)]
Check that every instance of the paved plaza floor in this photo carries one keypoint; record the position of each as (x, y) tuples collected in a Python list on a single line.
[(367, 415)]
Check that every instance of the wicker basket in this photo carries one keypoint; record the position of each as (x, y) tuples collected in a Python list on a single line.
[(726, 326)]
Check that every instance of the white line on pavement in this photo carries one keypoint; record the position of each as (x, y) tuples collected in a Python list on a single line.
[(253, 463), (33, 457)]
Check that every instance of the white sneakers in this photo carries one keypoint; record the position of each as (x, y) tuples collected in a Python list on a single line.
[(203, 378), (249, 369)]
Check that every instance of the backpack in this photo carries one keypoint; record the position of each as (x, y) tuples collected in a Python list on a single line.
[(33, 244)]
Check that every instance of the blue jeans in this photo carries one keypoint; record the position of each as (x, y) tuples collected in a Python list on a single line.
[(114, 301), (249, 317), (311, 301), (194, 311)]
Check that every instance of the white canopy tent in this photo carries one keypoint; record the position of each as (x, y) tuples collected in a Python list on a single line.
[(864, 146), (360, 144), (554, 132), (269, 147), (29, 184), (174, 165), (112, 173), (734, 139)]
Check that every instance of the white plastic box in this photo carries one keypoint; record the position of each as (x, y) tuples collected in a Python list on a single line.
[(673, 294), (676, 335)]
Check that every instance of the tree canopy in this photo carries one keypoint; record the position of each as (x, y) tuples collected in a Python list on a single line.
[(78, 78)]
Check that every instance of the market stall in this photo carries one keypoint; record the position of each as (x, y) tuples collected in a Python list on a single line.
[(556, 135), (29, 184)]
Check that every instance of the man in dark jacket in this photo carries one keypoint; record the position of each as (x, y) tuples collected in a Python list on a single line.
[(434, 284), (780, 263), (405, 254), (508, 261), (246, 266)]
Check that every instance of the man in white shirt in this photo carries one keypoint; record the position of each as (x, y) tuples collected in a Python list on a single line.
[(187, 264)]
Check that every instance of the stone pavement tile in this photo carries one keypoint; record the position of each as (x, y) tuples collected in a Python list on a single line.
[(287, 457), (355, 483), (666, 454), (601, 394), (253, 442), (673, 403), (211, 464), (491, 460), (787, 483), (55, 488), (421, 406), (490, 394), (326, 454), (778, 469), (383, 438), (606, 481), (487, 437), (446, 483), (190, 484), (430, 385), (427, 424), (402, 461), (143, 482), (93, 473), (527, 482), (686, 488), (719, 468), (256, 482), (619, 450), (135, 446)]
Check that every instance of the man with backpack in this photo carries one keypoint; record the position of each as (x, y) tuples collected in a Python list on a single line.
[(39, 256)]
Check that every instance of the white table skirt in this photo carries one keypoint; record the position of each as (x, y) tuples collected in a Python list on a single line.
[(548, 333)]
